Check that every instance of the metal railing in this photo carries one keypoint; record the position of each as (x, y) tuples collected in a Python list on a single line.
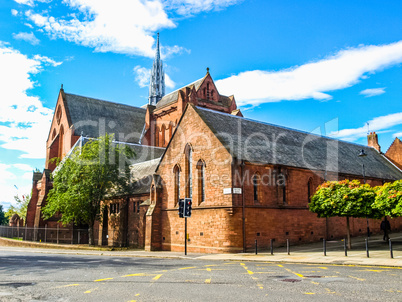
[(64, 235)]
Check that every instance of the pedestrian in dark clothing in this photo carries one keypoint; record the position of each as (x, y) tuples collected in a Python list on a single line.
[(386, 227)]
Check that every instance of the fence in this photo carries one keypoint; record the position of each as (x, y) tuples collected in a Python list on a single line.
[(361, 246), (65, 235)]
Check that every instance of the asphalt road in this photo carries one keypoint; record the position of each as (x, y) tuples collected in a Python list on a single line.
[(31, 276)]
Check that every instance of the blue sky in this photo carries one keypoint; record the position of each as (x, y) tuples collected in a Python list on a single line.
[(301, 64)]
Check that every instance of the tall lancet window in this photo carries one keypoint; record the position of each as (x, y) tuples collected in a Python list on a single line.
[(189, 172), (176, 172), (201, 181)]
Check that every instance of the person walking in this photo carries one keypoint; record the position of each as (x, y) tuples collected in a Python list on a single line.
[(386, 227)]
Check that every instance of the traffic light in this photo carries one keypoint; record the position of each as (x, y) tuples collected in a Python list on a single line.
[(187, 207), (181, 208)]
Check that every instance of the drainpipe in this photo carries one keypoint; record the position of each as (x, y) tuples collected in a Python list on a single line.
[(243, 206)]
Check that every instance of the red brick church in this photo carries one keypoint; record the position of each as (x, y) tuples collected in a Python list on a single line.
[(247, 179)]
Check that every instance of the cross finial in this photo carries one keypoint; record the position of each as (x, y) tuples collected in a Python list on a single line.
[(207, 70), (61, 86)]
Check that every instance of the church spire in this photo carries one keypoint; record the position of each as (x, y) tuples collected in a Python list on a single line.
[(157, 84)]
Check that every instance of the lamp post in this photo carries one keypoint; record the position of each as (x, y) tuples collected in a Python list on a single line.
[(364, 154)]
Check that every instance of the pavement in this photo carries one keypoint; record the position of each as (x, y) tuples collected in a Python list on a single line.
[(379, 252)]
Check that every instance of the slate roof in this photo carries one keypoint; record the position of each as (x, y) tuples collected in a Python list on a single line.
[(259, 142), (142, 175), (119, 119), (173, 96), (143, 153)]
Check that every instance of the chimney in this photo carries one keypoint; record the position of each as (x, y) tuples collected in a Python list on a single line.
[(372, 141)]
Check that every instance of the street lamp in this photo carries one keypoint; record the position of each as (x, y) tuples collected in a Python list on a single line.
[(364, 154)]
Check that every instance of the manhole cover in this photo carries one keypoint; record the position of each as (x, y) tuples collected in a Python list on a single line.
[(16, 285), (291, 280)]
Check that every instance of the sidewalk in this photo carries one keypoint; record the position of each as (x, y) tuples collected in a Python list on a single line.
[(307, 253)]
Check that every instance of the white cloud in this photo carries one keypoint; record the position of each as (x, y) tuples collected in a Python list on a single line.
[(191, 7), (311, 80), (14, 12), (121, 26), (379, 123), (47, 60), (26, 2), (28, 37), (372, 92), (143, 75), (24, 120), (398, 134), (169, 82), (31, 2)]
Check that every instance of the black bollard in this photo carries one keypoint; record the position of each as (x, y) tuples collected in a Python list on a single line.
[(288, 246), (272, 247), (256, 251), (390, 249), (324, 243), (345, 247), (367, 248)]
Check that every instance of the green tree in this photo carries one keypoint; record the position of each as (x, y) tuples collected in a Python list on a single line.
[(21, 208), (388, 199), (94, 173), (344, 199), (3, 218)]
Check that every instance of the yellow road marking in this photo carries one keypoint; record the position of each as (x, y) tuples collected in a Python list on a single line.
[(242, 264), (376, 270), (323, 267), (297, 274), (280, 265), (357, 278), (208, 281), (137, 295), (250, 272), (133, 275), (309, 293), (260, 286), (90, 290), (210, 265), (330, 291), (157, 277), (208, 269), (103, 279), (188, 267), (316, 283)]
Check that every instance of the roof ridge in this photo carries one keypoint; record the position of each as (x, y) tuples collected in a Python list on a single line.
[(278, 126), (100, 100), (178, 89)]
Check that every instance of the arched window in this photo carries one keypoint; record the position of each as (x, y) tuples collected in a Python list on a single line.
[(170, 131), (58, 115), (256, 188), (208, 91), (163, 135), (157, 137), (176, 172), (189, 176), (61, 141), (54, 134), (309, 189), (201, 181)]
